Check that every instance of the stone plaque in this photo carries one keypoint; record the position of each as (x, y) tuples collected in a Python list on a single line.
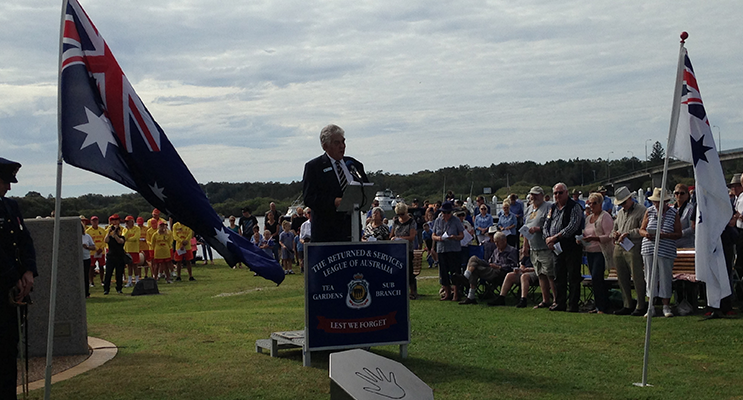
[(358, 374)]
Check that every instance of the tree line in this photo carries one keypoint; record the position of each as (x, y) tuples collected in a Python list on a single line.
[(464, 181)]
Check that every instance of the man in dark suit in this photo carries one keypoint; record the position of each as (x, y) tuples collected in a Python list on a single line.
[(325, 179), (17, 272)]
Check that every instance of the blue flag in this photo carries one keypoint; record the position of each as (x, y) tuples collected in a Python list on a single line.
[(106, 129)]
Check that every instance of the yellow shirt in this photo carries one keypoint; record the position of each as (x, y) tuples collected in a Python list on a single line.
[(154, 222), (181, 234), (131, 239), (97, 234), (162, 244), (143, 236)]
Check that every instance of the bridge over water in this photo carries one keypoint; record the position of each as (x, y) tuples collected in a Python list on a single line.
[(656, 173)]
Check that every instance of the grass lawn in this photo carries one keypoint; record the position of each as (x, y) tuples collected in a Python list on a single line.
[(193, 342)]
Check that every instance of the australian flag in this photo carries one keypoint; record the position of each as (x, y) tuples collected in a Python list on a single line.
[(105, 128), (694, 143)]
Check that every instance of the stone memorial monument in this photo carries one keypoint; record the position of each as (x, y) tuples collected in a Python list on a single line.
[(71, 326)]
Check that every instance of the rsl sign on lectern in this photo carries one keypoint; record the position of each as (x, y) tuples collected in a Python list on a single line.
[(356, 295)]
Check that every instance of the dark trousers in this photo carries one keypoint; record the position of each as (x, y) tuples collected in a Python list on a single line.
[(117, 264), (513, 241), (448, 265), (8, 348), (86, 275), (739, 251), (597, 262), (568, 276), (206, 250), (726, 304)]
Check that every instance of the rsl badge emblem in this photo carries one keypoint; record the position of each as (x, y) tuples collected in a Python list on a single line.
[(358, 292)]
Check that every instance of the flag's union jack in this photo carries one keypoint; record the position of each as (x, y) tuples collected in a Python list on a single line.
[(83, 44), (105, 128), (690, 92)]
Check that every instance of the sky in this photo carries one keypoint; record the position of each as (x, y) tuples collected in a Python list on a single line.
[(243, 88)]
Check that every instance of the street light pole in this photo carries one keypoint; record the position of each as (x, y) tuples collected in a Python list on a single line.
[(719, 139), (608, 171), (646, 149)]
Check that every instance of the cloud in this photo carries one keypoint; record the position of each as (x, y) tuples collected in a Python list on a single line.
[(243, 89)]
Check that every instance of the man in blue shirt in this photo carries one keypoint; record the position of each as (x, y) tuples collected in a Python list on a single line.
[(576, 198), (606, 206)]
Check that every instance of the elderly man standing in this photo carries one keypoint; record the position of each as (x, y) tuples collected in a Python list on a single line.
[(504, 259), (325, 179), (627, 259), (564, 221), (541, 256), (17, 272)]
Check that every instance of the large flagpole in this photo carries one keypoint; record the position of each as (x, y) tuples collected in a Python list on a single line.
[(671, 138), (57, 212)]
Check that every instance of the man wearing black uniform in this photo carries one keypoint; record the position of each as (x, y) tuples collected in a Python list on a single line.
[(17, 272), (116, 257)]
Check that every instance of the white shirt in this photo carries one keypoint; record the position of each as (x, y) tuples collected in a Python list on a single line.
[(344, 167), (739, 208), (305, 231), (87, 240)]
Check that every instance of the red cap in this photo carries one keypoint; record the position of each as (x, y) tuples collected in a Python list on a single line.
[(94, 218), (140, 220), (162, 223), (129, 218), (156, 211), (113, 217)]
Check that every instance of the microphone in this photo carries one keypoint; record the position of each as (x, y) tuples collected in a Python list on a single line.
[(352, 169)]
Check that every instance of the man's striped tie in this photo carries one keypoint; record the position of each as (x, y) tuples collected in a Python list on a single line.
[(342, 175)]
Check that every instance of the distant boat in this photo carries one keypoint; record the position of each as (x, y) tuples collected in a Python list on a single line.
[(385, 199), (292, 210)]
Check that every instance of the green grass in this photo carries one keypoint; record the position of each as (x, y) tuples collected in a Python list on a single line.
[(189, 343)]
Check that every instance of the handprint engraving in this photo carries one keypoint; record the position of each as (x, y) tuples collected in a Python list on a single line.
[(385, 386)]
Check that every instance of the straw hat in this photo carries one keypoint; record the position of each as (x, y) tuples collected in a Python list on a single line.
[(656, 195)]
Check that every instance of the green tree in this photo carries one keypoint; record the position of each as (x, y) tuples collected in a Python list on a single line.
[(657, 155)]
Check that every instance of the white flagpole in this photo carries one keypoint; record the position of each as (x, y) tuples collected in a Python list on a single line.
[(57, 212), (654, 270)]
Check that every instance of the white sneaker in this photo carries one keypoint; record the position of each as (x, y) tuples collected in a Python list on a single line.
[(92, 285), (651, 311), (667, 311), (128, 284)]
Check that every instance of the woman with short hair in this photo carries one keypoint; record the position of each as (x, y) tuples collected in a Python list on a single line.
[(670, 231), (376, 229), (599, 248)]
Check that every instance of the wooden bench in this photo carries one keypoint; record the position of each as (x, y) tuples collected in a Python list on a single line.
[(684, 274)]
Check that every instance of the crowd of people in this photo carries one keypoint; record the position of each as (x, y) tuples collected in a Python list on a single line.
[(138, 249), (540, 242), (545, 243)]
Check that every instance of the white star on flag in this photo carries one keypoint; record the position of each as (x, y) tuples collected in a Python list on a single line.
[(223, 236), (158, 191), (98, 131)]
